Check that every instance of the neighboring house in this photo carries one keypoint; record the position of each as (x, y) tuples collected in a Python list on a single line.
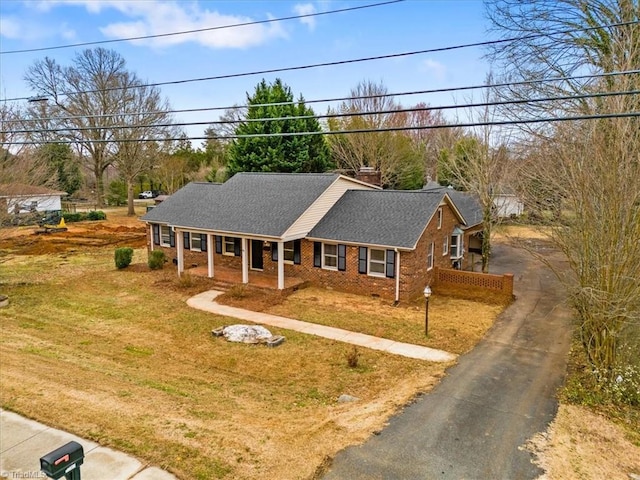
[(323, 228), (508, 205), (19, 198)]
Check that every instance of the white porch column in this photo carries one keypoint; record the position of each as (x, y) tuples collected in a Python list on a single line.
[(180, 250), (245, 261), (210, 248), (151, 237), (280, 266)]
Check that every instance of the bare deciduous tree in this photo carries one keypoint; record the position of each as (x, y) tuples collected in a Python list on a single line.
[(592, 167), (479, 164), (88, 98), (392, 153), (145, 111)]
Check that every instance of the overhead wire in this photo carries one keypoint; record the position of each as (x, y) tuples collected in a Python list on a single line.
[(340, 62), (347, 132), (332, 115), (336, 99), (200, 30)]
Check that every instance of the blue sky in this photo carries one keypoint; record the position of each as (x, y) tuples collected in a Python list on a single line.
[(400, 27)]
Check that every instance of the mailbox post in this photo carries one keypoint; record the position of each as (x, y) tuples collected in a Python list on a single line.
[(63, 462)]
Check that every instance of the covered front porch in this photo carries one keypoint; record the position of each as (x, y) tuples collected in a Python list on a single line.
[(231, 276), (250, 250)]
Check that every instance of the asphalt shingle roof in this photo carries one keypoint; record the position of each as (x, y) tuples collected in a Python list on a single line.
[(392, 218), (248, 203), (466, 203), (24, 190)]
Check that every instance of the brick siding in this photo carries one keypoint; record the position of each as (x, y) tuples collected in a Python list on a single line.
[(414, 275)]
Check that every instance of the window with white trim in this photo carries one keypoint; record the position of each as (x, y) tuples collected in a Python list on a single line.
[(228, 246), (289, 251), (430, 256), (165, 236), (456, 246), (439, 218), (445, 246), (329, 256), (195, 241), (377, 262)]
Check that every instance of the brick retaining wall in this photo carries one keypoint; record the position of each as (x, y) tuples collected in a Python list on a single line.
[(473, 282)]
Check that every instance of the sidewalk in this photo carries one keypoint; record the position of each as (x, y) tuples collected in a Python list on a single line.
[(23, 442), (206, 301)]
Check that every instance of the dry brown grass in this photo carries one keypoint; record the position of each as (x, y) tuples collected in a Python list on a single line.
[(529, 232), (582, 445), (455, 325), (116, 356)]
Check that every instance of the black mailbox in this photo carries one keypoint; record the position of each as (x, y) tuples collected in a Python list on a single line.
[(63, 462)]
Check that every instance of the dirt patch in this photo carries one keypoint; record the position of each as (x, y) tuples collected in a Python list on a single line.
[(582, 445), (88, 234), (250, 298)]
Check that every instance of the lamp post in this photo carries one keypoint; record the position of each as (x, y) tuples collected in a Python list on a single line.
[(427, 294)]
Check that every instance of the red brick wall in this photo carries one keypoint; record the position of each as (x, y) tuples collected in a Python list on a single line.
[(474, 281)]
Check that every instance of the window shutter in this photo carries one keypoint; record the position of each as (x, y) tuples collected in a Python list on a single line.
[(203, 242), (237, 247), (274, 251), (296, 252), (156, 234), (218, 244), (172, 237), (317, 254), (391, 264), (187, 244), (342, 257), (362, 260)]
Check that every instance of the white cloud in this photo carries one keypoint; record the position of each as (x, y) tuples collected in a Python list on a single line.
[(10, 27), (437, 69), (306, 9), (153, 17), (15, 28), (67, 32)]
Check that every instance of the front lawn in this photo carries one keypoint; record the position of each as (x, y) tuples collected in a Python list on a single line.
[(116, 356)]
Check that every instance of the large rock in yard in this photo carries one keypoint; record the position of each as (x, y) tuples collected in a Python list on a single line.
[(246, 333)]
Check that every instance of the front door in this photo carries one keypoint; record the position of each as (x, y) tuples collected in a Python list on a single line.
[(256, 254)]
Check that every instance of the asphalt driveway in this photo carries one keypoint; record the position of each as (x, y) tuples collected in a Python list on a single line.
[(474, 423)]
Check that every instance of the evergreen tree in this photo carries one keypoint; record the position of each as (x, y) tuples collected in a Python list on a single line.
[(281, 153), (62, 165)]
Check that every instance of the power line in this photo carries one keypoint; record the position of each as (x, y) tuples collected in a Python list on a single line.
[(336, 115), (339, 62), (199, 30), (338, 99), (363, 130)]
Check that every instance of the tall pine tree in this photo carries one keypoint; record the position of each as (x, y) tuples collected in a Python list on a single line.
[(281, 153)]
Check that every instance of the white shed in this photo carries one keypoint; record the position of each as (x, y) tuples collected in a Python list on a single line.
[(20, 198), (508, 205)]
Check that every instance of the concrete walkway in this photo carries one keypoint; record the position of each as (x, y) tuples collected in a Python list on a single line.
[(206, 301), (23, 442)]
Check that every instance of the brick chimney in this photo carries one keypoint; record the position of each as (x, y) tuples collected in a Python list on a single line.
[(369, 175)]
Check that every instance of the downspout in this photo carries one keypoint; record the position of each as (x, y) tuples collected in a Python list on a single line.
[(397, 301)]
